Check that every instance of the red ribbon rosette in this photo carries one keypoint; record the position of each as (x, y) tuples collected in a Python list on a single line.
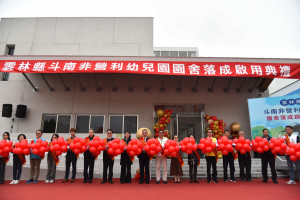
[(242, 145), (260, 144), (5, 147), (206, 145), (152, 147), (21, 148), (134, 147), (115, 147), (188, 145), (225, 145), (171, 148), (96, 145)]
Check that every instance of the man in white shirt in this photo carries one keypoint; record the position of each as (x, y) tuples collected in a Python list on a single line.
[(160, 159), (290, 137)]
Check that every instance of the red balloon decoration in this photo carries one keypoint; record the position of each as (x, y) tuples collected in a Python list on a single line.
[(39, 147), (78, 145), (171, 148), (115, 147), (277, 145), (152, 147), (59, 146), (21, 148), (225, 145), (242, 145), (260, 144), (188, 145), (96, 145), (134, 147), (5, 147), (293, 151), (206, 145)]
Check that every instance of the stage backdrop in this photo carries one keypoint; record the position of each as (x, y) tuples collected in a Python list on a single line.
[(274, 113)]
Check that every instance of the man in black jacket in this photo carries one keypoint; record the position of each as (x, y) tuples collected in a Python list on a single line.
[(229, 159), (107, 160), (144, 160), (126, 162), (89, 160), (268, 157)]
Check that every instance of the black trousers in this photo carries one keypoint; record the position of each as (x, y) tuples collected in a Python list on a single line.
[(108, 163), (144, 166), (265, 160), (228, 159), (193, 172), (17, 168), (125, 173), (2, 170), (88, 167), (245, 162), (71, 159), (211, 162)]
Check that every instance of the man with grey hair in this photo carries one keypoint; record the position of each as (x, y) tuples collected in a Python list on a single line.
[(89, 160), (244, 162)]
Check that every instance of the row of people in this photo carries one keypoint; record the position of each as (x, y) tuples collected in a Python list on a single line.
[(244, 161)]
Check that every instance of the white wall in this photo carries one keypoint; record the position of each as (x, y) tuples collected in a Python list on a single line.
[(78, 36)]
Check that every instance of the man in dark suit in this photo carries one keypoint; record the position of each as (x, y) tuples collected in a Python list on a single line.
[(108, 161), (89, 160), (144, 160), (268, 157)]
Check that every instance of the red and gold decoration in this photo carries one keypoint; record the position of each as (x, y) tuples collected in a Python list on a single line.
[(78, 145), (235, 128), (242, 145), (277, 145), (115, 147), (217, 125), (152, 147), (39, 147), (96, 146), (163, 119), (293, 151), (171, 148)]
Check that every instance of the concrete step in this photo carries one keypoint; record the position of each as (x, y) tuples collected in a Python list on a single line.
[(256, 171)]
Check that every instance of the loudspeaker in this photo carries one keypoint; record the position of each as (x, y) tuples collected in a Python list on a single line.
[(6, 110), (21, 111)]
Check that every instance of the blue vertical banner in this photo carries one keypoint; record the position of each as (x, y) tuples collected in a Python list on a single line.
[(274, 113)]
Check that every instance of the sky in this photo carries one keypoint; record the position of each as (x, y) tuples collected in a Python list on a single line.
[(218, 28)]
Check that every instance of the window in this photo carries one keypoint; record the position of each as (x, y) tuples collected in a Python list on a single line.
[(54, 123), (192, 54), (122, 123), (10, 52), (165, 53), (157, 53), (85, 122), (173, 53), (182, 53)]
